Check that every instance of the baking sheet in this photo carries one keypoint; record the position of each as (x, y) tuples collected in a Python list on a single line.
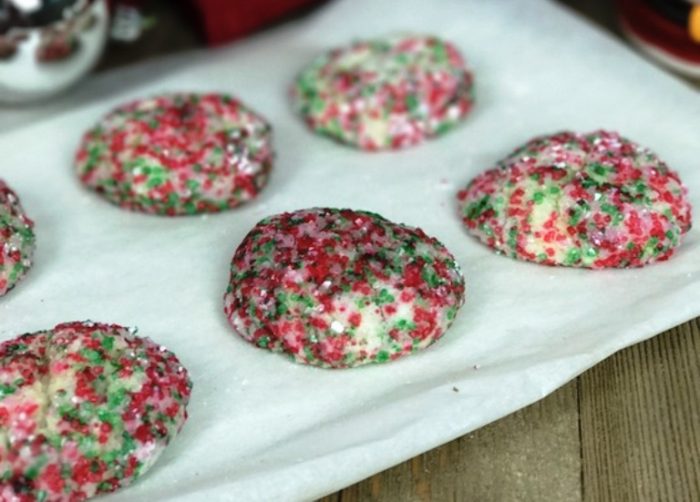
[(262, 428)]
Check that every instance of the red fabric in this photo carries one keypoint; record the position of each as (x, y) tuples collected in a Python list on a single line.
[(226, 20), (656, 30)]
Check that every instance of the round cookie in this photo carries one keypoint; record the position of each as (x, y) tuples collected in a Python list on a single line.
[(339, 288), (593, 200), (17, 240), (178, 154), (85, 408), (385, 93)]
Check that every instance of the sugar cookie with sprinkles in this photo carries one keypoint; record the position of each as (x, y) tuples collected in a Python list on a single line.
[(385, 93), (178, 154), (17, 241), (339, 288), (595, 200), (85, 408)]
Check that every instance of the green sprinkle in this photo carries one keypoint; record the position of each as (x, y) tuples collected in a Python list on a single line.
[(573, 256), (384, 297), (405, 325), (91, 355), (6, 390), (473, 211), (412, 102), (107, 342), (382, 356)]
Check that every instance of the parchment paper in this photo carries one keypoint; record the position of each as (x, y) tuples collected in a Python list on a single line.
[(263, 428)]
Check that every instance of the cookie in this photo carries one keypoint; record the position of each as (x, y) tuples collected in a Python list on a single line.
[(594, 200), (178, 154), (17, 240), (385, 93), (85, 408), (339, 288)]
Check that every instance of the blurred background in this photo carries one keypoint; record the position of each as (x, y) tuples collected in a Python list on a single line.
[(47, 46)]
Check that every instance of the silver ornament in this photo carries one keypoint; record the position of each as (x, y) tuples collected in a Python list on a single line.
[(48, 45)]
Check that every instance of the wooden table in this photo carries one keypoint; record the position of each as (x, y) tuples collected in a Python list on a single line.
[(626, 430)]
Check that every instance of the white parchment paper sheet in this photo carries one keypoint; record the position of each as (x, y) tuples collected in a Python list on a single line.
[(263, 428)]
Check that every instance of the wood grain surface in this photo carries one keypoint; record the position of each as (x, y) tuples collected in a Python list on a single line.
[(626, 430), (640, 421), (540, 443)]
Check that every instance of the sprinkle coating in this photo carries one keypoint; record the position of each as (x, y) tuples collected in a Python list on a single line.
[(85, 408), (339, 288), (178, 154), (385, 93), (595, 200), (17, 241)]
